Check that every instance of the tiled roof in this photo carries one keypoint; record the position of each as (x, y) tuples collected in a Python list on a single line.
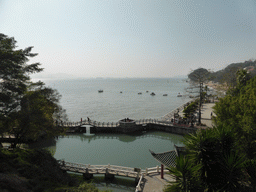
[(167, 158)]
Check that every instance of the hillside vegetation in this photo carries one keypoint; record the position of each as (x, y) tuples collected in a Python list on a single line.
[(228, 74), (36, 170)]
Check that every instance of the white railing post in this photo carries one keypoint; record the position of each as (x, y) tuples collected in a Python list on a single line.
[(157, 169)]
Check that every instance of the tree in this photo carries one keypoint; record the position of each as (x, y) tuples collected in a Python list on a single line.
[(190, 109), (26, 109), (186, 176), (199, 76), (239, 112), (37, 116), (215, 151), (242, 77), (14, 75)]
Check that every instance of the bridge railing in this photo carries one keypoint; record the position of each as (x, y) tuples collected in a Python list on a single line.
[(138, 187), (115, 124), (152, 170), (112, 168)]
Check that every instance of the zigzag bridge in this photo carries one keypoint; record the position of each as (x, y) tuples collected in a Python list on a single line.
[(127, 126), (110, 171)]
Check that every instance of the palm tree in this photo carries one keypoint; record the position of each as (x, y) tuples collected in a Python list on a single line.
[(186, 176), (215, 151)]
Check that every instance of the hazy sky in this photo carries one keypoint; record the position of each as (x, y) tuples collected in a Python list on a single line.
[(132, 38)]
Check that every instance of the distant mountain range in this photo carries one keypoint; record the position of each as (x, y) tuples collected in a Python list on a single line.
[(230, 70), (229, 73)]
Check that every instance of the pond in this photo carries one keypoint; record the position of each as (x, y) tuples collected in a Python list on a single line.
[(115, 149)]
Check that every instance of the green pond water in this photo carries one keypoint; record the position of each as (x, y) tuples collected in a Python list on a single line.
[(114, 149)]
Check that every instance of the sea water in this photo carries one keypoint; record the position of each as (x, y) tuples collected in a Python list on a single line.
[(120, 98)]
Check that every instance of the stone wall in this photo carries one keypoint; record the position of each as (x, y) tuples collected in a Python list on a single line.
[(171, 129), (147, 127)]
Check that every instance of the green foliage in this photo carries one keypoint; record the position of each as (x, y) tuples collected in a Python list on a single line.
[(225, 153), (27, 109), (37, 168), (242, 77), (232, 167), (186, 176), (14, 75), (239, 112), (212, 162), (191, 108), (228, 74), (199, 75)]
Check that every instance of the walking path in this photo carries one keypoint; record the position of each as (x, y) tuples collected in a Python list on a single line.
[(206, 114), (154, 183)]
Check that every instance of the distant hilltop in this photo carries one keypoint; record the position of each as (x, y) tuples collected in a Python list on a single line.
[(230, 71)]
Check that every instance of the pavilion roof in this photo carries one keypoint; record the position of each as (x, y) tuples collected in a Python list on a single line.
[(167, 158)]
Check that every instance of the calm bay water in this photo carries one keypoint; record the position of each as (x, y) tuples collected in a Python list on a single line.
[(81, 99)]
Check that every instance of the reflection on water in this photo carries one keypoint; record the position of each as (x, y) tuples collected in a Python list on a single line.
[(115, 149), (119, 184), (88, 133), (126, 137)]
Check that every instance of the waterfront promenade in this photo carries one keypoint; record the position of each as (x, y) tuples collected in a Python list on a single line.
[(206, 111), (206, 114)]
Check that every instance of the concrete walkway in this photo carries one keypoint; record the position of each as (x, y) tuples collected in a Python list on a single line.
[(154, 183), (206, 114)]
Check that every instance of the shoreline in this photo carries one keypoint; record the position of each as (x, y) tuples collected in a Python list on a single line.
[(170, 115)]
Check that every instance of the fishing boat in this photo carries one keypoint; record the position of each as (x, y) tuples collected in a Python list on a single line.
[(179, 95), (164, 94), (152, 94), (100, 91)]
